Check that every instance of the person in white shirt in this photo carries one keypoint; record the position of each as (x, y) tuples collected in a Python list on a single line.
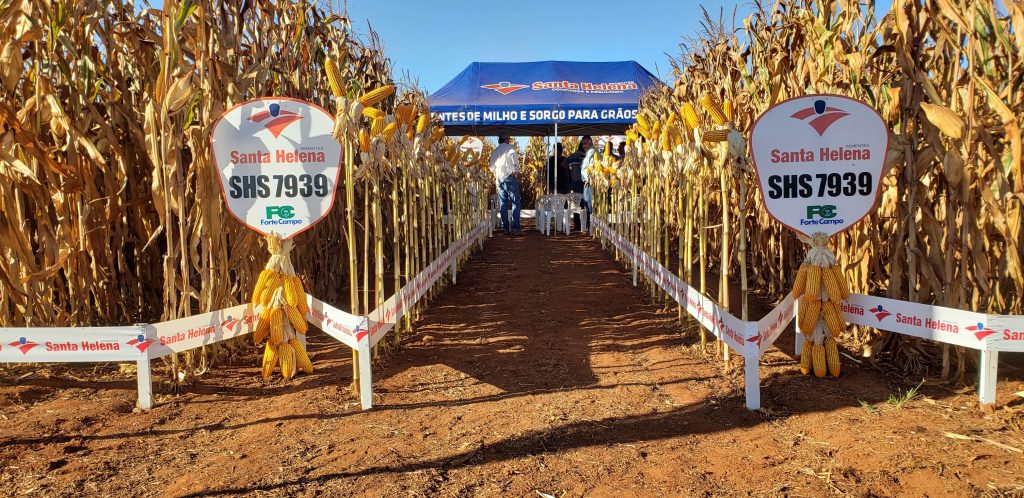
[(504, 166), (587, 144)]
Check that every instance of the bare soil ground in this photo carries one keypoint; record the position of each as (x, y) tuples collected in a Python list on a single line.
[(542, 371)]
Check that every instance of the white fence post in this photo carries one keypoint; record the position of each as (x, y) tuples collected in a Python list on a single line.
[(987, 376), (145, 382), (365, 370), (752, 381)]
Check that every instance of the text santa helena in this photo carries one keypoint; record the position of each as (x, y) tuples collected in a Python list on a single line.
[(282, 156), (824, 154)]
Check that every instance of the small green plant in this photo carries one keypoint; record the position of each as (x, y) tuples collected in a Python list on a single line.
[(868, 407), (899, 399)]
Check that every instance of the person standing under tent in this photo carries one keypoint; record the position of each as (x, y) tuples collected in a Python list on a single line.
[(504, 165), (587, 144), (557, 163)]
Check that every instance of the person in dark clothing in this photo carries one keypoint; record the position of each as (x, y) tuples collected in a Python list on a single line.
[(557, 163)]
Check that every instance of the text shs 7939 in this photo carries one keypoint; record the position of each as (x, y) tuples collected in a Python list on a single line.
[(279, 163), (819, 161)]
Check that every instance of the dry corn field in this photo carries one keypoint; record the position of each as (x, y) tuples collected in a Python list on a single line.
[(563, 380)]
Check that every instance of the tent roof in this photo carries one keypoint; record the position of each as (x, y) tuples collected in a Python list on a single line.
[(528, 98)]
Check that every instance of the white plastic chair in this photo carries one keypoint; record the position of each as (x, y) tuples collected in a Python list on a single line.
[(576, 207), (543, 211), (555, 213), (494, 207)]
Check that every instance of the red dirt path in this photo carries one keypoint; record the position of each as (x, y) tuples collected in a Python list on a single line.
[(543, 370)]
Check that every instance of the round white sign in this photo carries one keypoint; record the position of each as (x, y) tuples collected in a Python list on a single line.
[(819, 161), (279, 163), (474, 144)]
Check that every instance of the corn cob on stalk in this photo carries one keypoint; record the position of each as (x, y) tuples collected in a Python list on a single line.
[(711, 105), (377, 95)]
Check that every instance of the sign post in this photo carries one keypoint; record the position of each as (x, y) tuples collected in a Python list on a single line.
[(279, 164), (279, 167), (819, 161)]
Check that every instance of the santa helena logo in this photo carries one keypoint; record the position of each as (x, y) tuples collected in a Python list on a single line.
[(140, 343), (980, 330), (820, 116), (504, 87), (275, 119), (879, 312), (230, 323), (23, 345)]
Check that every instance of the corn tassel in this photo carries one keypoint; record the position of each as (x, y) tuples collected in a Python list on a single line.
[(377, 95)]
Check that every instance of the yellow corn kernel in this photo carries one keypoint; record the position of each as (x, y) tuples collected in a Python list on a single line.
[(423, 123), (805, 358), (377, 126), (813, 281), (711, 105), (389, 131), (334, 78), (832, 287), (689, 116), (377, 95), (276, 327), (833, 318), (715, 136), (262, 328), (302, 360), (373, 113), (728, 110), (801, 281), (818, 360), (269, 361), (298, 320), (364, 140), (810, 311), (287, 358), (832, 357), (261, 281)]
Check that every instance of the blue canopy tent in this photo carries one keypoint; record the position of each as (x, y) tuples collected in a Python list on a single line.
[(542, 98)]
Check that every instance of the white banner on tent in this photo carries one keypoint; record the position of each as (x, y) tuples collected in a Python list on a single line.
[(70, 344)]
